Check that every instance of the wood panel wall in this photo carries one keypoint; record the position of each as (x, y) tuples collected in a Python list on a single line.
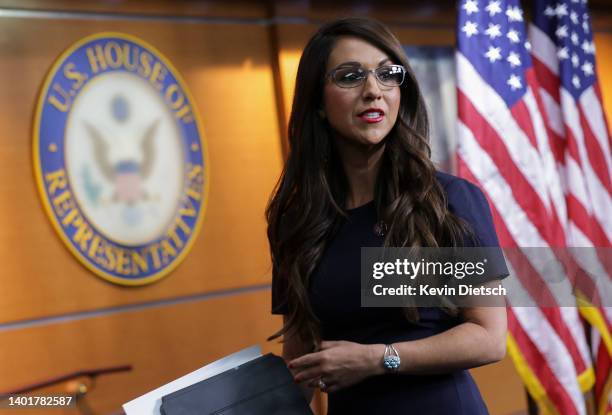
[(57, 317)]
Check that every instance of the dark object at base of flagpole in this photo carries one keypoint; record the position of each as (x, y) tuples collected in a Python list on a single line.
[(532, 406)]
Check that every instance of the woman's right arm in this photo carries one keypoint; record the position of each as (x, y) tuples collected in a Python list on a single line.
[(292, 349)]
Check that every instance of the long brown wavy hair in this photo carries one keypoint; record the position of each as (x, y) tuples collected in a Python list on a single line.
[(308, 203)]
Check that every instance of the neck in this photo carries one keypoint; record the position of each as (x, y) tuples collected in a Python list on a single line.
[(361, 165)]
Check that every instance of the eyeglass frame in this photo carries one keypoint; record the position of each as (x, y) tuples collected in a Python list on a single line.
[(332, 72)]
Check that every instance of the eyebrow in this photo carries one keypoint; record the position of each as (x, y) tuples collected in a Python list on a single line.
[(355, 63)]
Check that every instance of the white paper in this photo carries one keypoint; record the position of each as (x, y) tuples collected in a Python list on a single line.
[(149, 403)]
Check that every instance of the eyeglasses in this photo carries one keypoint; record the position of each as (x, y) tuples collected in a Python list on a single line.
[(354, 76)]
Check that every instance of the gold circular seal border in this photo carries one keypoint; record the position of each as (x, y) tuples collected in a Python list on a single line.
[(38, 173)]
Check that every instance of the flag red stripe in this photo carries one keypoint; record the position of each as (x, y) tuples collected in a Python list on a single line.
[(521, 114), (578, 277), (539, 365), (572, 147), (603, 366), (546, 78), (555, 142), (557, 145), (585, 222), (490, 142), (530, 279), (533, 283), (597, 90), (595, 152)]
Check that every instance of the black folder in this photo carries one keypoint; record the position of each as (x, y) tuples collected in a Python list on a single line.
[(263, 386)]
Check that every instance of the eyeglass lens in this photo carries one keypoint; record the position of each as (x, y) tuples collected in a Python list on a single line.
[(352, 76)]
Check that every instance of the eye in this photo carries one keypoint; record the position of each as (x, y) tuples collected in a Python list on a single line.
[(385, 74), (348, 75), (388, 72), (391, 75)]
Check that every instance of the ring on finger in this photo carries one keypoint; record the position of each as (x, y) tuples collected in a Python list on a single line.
[(322, 385)]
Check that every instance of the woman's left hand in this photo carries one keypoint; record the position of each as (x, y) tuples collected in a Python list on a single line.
[(337, 364)]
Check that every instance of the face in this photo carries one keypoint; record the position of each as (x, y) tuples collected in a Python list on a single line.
[(364, 114)]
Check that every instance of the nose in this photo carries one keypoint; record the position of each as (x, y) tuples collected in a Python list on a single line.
[(371, 88)]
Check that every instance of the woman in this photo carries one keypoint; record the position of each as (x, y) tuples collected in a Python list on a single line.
[(359, 174)]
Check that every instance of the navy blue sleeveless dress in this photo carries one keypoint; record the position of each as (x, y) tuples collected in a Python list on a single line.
[(335, 298)]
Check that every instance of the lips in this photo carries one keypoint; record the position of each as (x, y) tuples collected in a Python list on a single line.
[(372, 115)]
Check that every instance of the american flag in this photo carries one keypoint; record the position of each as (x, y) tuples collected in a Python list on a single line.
[(532, 134)]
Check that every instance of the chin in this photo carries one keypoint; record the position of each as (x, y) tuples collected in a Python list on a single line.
[(369, 142), (361, 139), (373, 139)]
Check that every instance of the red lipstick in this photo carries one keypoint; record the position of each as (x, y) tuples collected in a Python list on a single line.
[(372, 115)]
